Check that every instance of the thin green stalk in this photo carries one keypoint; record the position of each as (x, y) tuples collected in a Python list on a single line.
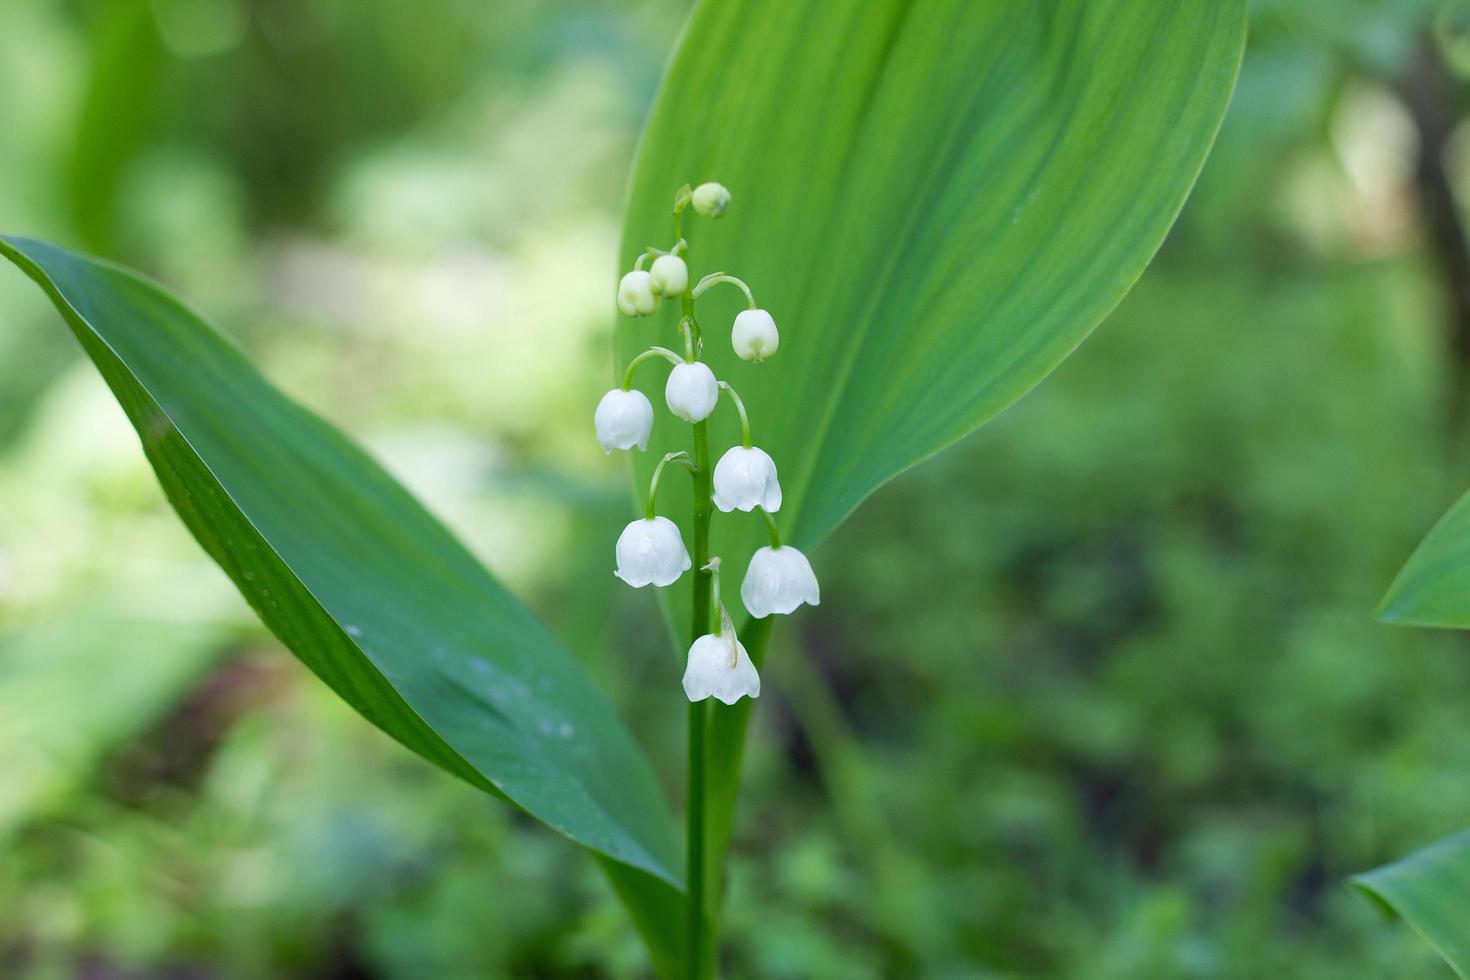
[(663, 352), (726, 742), (695, 926), (774, 534), (699, 938), (744, 419), (715, 278), (680, 457)]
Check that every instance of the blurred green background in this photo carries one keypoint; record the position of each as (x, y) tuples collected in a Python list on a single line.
[(1095, 693)]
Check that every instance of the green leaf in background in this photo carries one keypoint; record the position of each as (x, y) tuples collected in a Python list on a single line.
[(119, 108), (1430, 890), (352, 574), (937, 200), (1433, 588)]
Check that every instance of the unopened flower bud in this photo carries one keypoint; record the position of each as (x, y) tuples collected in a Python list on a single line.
[(777, 581), (635, 294), (670, 275), (692, 391), (754, 336), (651, 552), (713, 672), (711, 199), (745, 479), (623, 420)]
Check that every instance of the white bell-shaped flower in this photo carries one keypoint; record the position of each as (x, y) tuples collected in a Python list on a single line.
[(720, 668), (746, 479), (777, 581), (692, 391), (754, 336), (651, 552), (670, 275), (710, 199), (623, 420), (636, 296)]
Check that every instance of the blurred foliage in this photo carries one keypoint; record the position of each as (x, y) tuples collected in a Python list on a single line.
[(1094, 694)]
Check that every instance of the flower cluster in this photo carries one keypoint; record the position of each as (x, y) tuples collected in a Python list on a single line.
[(651, 551)]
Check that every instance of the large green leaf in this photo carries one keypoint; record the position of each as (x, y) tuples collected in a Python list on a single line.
[(1430, 890), (352, 574), (936, 199), (1433, 588)]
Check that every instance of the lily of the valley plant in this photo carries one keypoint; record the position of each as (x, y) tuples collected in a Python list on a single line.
[(981, 190), (651, 551)]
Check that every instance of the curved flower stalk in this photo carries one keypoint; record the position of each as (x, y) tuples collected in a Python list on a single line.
[(651, 551)]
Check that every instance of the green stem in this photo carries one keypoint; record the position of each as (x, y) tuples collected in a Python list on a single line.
[(715, 278), (698, 710), (680, 457), (681, 201), (699, 945), (770, 527), (716, 625), (695, 925), (663, 352), (686, 330), (726, 750), (739, 407)]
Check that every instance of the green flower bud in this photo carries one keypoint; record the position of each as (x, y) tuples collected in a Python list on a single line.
[(670, 275), (636, 295), (711, 199)]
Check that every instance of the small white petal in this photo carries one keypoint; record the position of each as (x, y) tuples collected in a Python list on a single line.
[(777, 581), (754, 335), (710, 672), (670, 275), (651, 552), (745, 479), (636, 296), (692, 391), (623, 420)]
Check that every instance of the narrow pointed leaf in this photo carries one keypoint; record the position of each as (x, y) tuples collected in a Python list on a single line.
[(355, 577), (937, 200), (1430, 890), (1433, 588)]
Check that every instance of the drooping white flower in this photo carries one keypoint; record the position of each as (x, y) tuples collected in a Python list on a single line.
[(636, 296), (711, 199), (623, 420), (754, 336), (746, 479), (651, 552), (670, 275), (777, 581), (720, 668), (692, 391)]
